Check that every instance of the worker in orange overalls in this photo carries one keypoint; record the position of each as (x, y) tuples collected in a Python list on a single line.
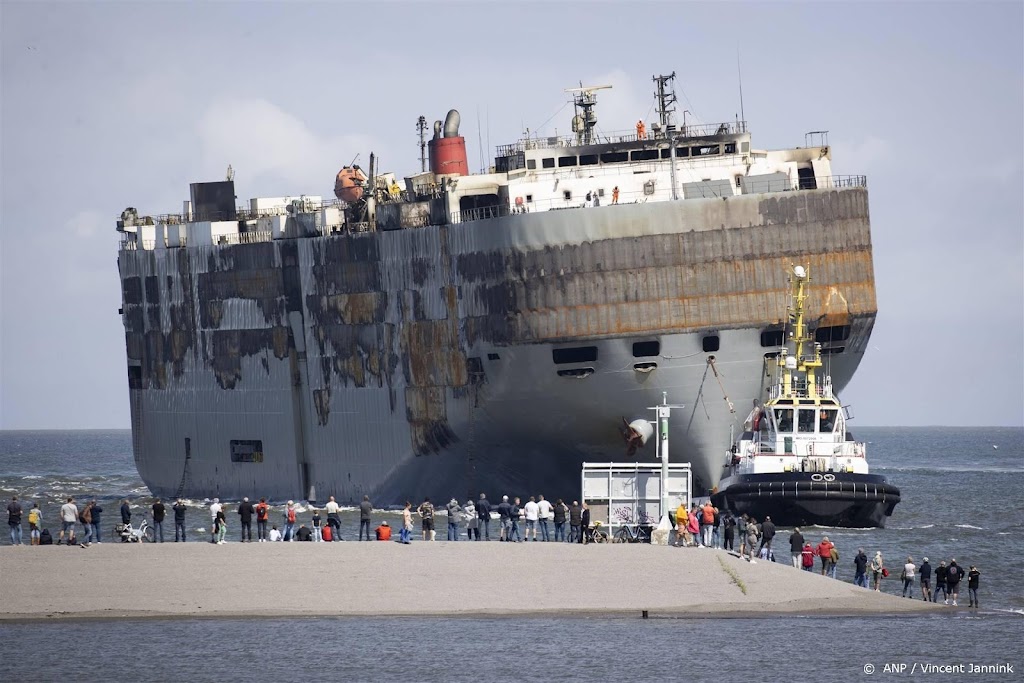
[(615, 195), (641, 130)]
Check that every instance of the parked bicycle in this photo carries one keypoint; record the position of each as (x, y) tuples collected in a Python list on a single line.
[(594, 534), (130, 534), (634, 533)]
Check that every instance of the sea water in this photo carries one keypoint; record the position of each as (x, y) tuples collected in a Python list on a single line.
[(963, 498)]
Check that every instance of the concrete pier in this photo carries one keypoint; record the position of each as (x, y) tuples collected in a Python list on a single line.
[(116, 580)]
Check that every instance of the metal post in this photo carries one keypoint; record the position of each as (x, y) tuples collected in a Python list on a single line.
[(663, 413), (672, 168)]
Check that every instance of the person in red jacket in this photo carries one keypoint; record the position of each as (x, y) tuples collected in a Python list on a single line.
[(384, 531), (824, 551), (807, 557)]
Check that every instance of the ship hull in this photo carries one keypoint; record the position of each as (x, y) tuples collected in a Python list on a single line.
[(423, 362), (802, 499)]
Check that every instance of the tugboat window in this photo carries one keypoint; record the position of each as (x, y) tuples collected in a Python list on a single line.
[(784, 419), (827, 420), (805, 420)]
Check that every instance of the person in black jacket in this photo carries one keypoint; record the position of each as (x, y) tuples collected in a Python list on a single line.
[(504, 510), (973, 580), (940, 583), (729, 524), (245, 513), (767, 534), (796, 546), (365, 508), (159, 511), (953, 577), (575, 523), (560, 510), (126, 512), (483, 512), (96, 510), (179, 520), (926, 580), (860, 569), (584, 521)]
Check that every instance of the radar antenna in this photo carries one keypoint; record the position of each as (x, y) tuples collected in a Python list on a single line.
[(584, 100), (421, 129)]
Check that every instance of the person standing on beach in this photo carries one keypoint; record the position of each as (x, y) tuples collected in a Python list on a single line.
[(729, 525), (575, 522), (472, 521), (220, 525), (707, 524), (796, 547), (365, 509), (317, 522), (559, 514), (35, 524), (14, 520), (693, 525), (215, 507), (532, 512), (973, 581), (454, 513), (513, 520), (824, 551), (159, 512), (179, 519), (584, 522), (741, 529), (807, 557), (68, 517), (682, 519), (245, 512), (860, 569), (483, 511), (126, 512), (426, 513), (406, 535), (262, 517), (953, 577), (767, 534), (96, 511), (716, 535), (877, 567), (751, 538), (85, 517), (544, 514), (504, 518), (926, 580), (290, 515), (940, 582), (908, 577)]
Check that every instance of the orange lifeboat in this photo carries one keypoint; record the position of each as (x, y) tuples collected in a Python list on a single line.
[(348, 186)]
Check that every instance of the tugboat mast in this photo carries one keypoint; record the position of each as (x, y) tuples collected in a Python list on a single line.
[(799, 279)]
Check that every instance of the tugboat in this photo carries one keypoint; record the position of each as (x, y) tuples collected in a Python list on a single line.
[(795, 460)]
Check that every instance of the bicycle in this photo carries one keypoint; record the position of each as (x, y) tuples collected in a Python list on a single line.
[(130, 534), (634, 533), (593, 534)]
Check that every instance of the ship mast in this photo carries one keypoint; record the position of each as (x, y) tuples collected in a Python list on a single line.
[(584, 99), (665, 94), (799, 280)]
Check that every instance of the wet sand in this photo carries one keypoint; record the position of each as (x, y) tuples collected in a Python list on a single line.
[(115, 580)]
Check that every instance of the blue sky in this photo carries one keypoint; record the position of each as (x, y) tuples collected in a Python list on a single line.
[(108, 105)]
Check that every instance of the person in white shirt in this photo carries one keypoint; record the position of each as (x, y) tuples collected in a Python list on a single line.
[(68, 517), (215, 507), (908, 577), (546, 512), (532, 512), (275, 535), (333, 520)]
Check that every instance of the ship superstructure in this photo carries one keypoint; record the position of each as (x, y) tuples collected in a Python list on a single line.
[(458, 332)]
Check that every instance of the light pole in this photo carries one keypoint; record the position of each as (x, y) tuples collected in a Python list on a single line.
[(663, 411)]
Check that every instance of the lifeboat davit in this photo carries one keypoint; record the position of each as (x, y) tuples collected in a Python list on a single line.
[(348, 186)]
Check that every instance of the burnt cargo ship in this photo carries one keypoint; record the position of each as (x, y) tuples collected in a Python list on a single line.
[(464, 332)]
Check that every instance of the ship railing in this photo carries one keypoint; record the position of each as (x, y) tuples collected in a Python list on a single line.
[(479, 213), (702, 130)]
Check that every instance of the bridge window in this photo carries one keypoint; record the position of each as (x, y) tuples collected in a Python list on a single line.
[(614, 157), (824, 335), (548, 163), (681, 152), (531, 164), (770, 338), (644, 154), (646, 349), (578, 354), (588, 160), (704, 150), (566, 161), (730, 148)]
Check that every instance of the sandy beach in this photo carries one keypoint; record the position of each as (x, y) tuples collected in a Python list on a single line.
[(115, 580)]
